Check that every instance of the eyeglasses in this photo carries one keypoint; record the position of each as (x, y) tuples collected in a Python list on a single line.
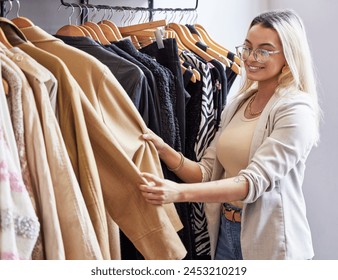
[(260, 55)]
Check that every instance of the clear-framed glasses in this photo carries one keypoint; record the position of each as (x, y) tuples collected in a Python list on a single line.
[(260, 55)]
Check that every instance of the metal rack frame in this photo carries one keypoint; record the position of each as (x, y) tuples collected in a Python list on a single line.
[(149, 9)]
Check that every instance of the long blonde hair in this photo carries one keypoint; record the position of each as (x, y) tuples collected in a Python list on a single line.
[(300, 71)]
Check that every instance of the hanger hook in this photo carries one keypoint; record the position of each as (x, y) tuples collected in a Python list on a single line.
[(95, 10), (73, 10), (10, 8), (123, 16), (111, 13), (19, 6), (196, 16), (104, 15), (80, 7), (125, 21)]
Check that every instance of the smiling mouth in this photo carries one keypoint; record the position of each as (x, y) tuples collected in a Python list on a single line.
[(254, 68)]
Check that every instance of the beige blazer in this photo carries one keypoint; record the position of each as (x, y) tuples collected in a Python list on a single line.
[(274, 223)]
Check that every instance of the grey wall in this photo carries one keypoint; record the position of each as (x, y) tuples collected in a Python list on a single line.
[(229, 29)]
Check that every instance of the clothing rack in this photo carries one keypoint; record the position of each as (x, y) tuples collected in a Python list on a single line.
[(2, 7), (149, 9)]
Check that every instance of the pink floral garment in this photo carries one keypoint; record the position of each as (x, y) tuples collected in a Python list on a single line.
[(19, 226)]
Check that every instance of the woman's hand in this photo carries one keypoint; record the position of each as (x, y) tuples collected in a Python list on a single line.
[(157, 140), (159, 191)]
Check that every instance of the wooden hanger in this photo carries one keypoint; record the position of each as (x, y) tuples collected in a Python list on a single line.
[(70, 30), (227, 62), (188, 43), (85, 31), (98, 31), (22, 22), (108, 32), (142, 26), (114, 27), (209, 41), (4, 39), (91, 32)]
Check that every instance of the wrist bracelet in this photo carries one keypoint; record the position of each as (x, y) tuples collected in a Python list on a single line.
[(179, 165)]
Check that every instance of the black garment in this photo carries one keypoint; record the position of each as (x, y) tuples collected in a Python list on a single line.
[(154, 113), (168, 57), (127, 74), (165, 82)]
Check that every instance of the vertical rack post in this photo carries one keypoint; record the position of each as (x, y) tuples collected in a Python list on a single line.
[(2, 8), (150, 8)]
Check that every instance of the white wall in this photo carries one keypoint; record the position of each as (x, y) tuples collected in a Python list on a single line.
[(227, 22), (320, 19)]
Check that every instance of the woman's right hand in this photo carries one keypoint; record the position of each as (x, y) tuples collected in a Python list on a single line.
[(157, 140)]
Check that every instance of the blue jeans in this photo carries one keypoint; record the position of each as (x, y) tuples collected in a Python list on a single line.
[(229, 240)]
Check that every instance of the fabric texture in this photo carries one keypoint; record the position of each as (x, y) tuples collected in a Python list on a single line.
[(284, 130), (105, 102), (19, 225)]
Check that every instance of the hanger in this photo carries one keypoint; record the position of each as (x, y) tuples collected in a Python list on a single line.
[(19, 21), (108, 32), (208, 50), (4, 40), (70, 29), (113, 26), (100, 36), (86, 31), (142, 26), (98, 31), (188, 43), (209, 54), (222, 58), (209, 41)]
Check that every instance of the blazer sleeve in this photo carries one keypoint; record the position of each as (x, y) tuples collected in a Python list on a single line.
[(287, 144)]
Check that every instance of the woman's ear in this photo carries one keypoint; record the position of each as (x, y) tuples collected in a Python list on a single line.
[(285, 69)]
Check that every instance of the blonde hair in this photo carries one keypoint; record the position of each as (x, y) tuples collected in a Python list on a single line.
[(300, 71)]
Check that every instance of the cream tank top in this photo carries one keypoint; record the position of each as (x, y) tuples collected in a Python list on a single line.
[(233, 146)]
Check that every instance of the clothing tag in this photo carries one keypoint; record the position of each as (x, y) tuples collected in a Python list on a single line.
[(159, 38)]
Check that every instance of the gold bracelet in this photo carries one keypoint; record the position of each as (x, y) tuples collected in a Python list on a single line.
[(179, 165)]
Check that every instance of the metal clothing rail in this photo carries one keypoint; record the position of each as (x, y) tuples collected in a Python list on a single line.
[(149, 9), (2, 7)]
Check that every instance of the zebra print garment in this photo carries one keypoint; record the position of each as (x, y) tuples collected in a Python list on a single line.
[(205, 134), (207, 125)]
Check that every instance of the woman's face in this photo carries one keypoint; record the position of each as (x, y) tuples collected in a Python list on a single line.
[(260, 37)]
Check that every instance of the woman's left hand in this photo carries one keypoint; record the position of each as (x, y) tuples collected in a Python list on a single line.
[(159, 191)]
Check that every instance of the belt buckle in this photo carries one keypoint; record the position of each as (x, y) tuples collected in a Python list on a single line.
[(232, 211)]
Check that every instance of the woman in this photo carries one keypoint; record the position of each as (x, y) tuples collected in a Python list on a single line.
[(258, 155)]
